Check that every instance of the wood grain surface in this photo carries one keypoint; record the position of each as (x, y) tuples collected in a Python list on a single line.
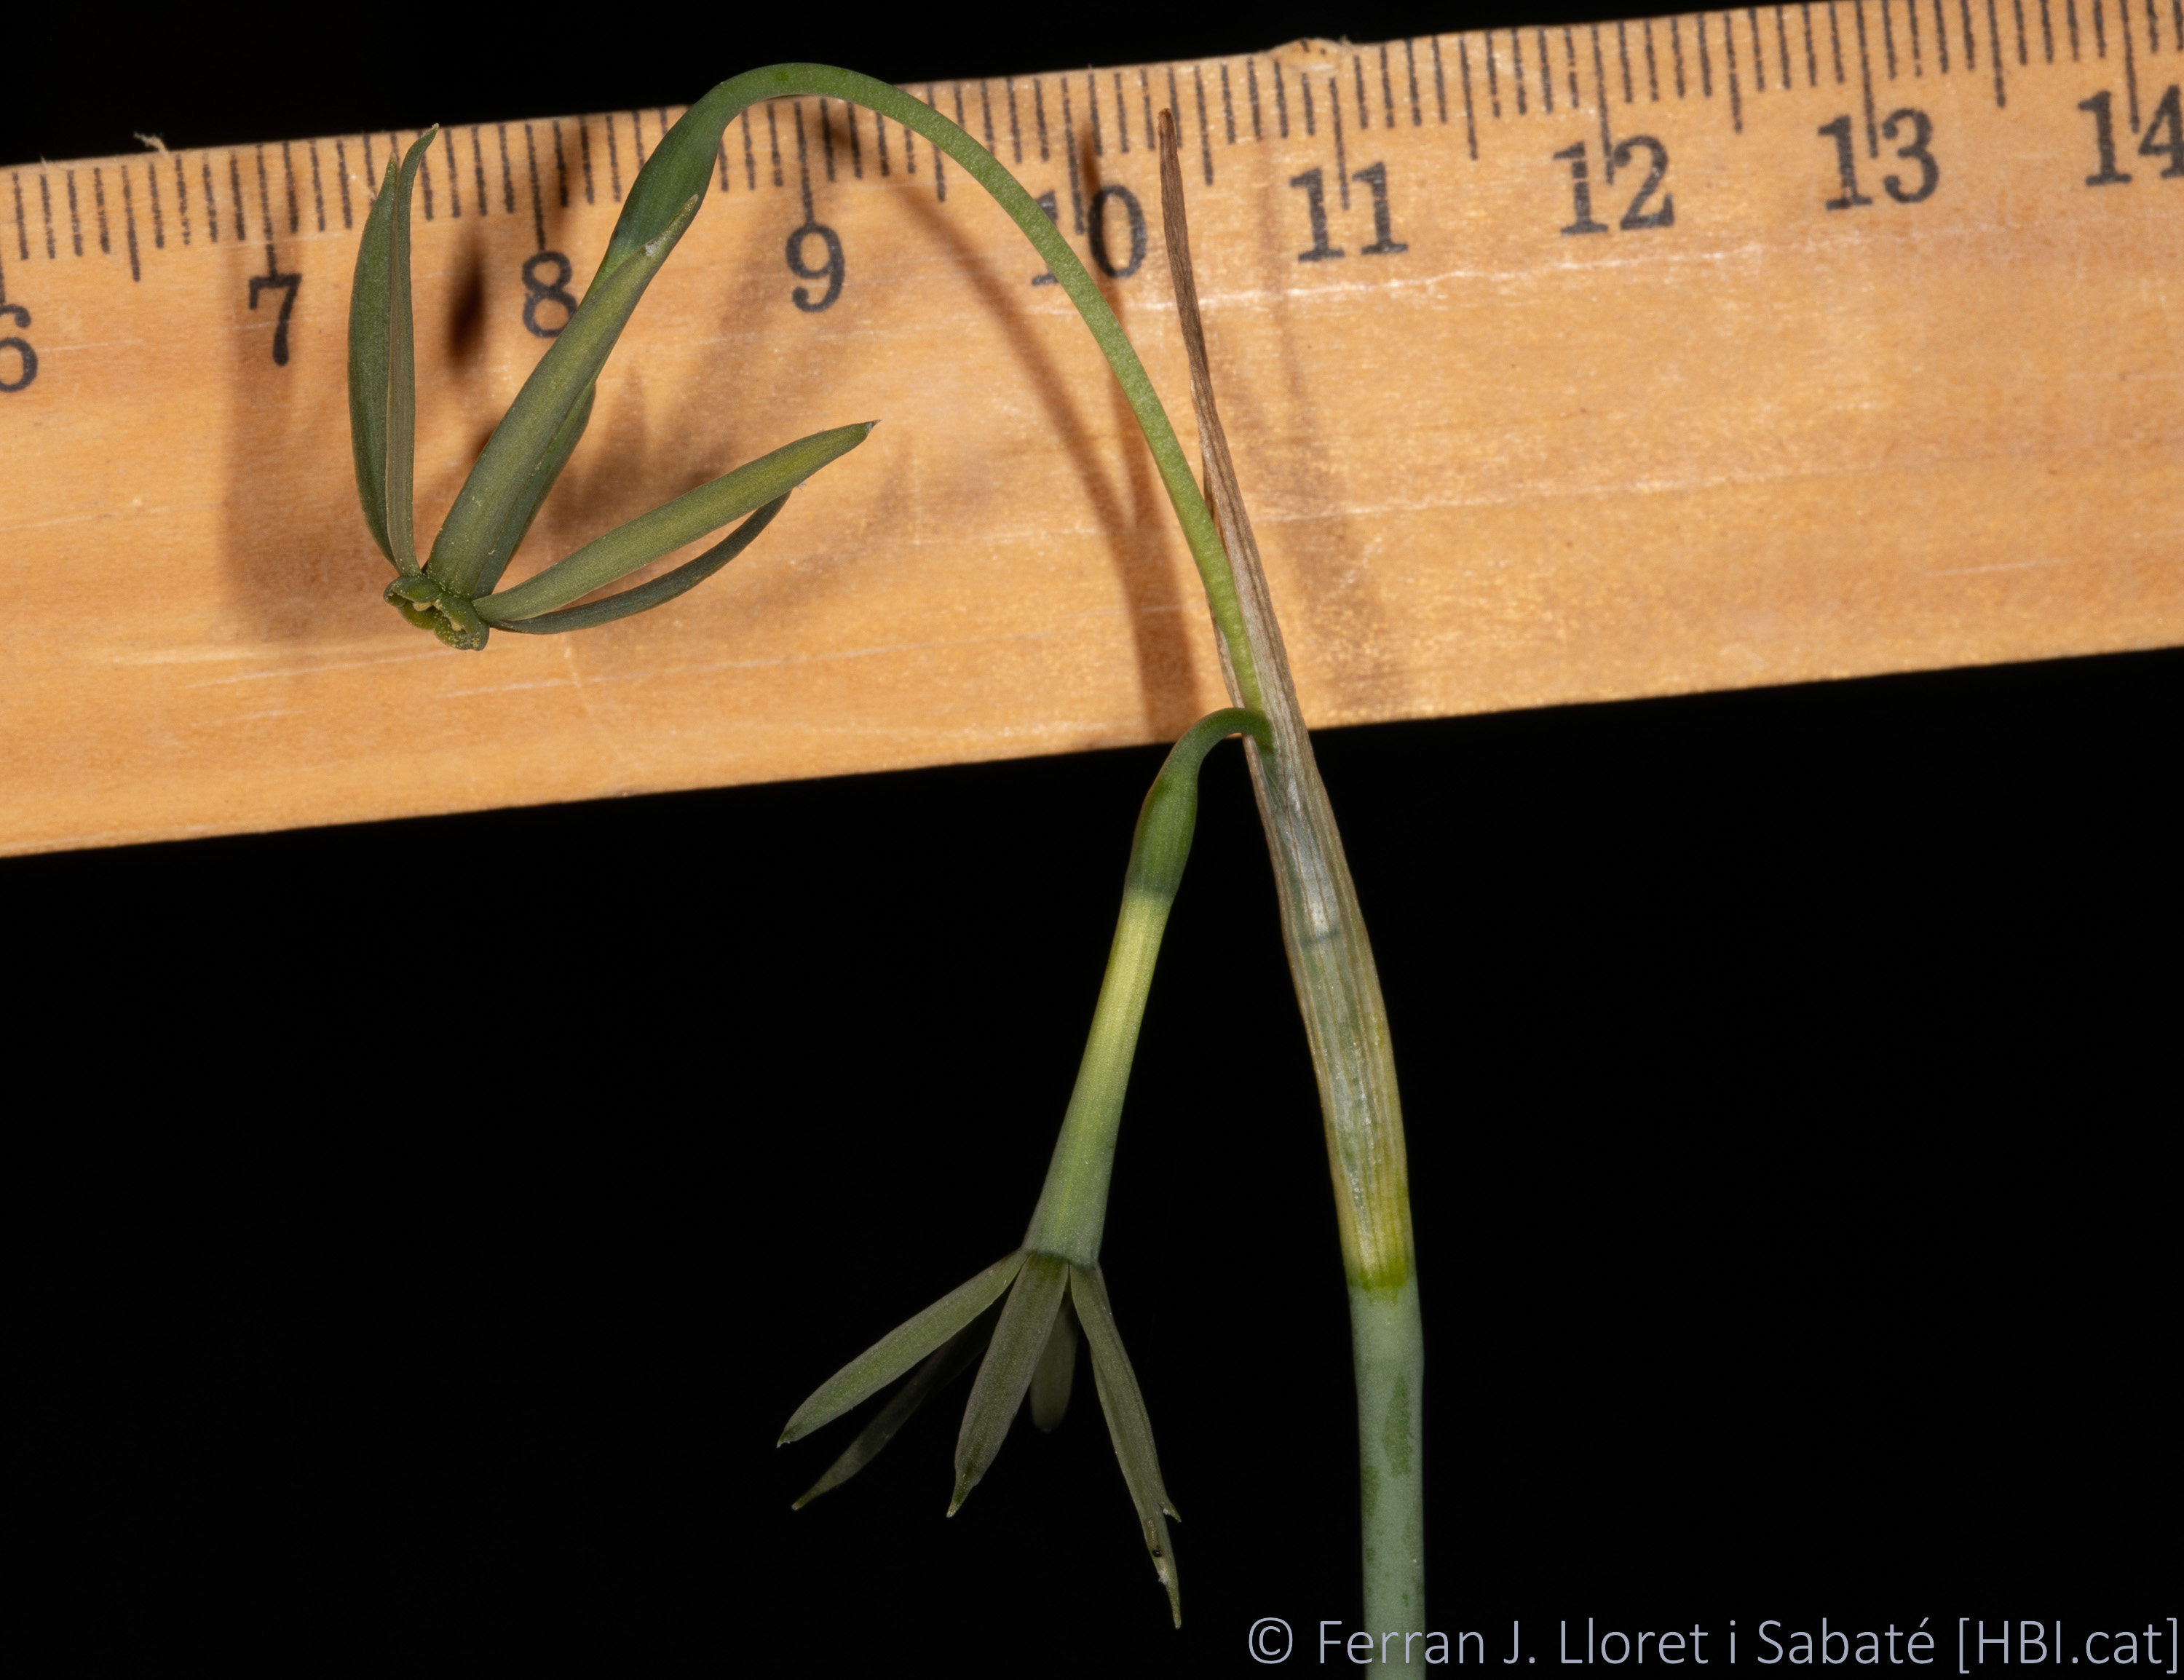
[(1502, 466)]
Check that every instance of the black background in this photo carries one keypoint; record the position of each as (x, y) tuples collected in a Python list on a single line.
[(1790, 1077)]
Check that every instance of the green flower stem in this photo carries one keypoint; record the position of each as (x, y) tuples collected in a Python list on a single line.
[(1072, 1207), (1387, 1351), (1338, 989)]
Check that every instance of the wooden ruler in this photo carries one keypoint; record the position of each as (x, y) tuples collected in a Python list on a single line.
[(1561, 364)]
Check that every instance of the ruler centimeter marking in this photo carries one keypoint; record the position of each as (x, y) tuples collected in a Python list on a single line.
[(1393, 83), (1565, 362)]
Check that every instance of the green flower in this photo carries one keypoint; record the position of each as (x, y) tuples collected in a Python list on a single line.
[(1024, 1314), (453, 592)]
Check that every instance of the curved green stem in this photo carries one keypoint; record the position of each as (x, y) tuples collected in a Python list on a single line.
[(1072, 1207), (682, 166)]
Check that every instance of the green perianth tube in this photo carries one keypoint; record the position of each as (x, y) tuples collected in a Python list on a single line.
[(1072, 1207)]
